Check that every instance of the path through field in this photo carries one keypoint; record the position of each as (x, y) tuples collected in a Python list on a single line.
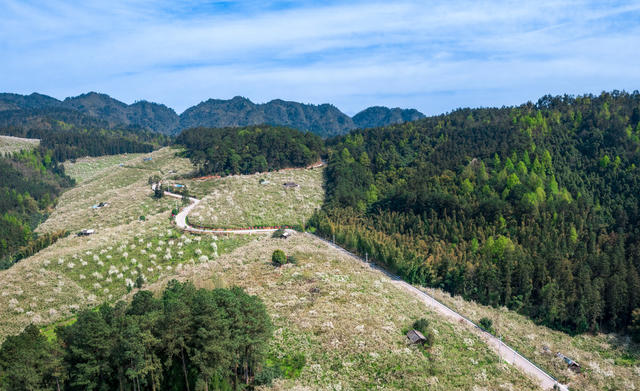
[(508, 354)]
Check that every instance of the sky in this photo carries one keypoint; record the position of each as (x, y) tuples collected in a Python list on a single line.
[(434, 56)]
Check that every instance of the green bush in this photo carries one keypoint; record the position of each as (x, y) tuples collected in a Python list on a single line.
[(266, 375), (421, 325), (487, 324), (278, 258)]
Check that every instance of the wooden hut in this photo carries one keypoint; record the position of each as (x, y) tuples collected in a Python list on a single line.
[(572, 365), (415, 337)]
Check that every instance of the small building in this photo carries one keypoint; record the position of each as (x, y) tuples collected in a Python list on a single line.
[(264, 181), (285, 234), (147, 159), (86, 232), (572, 365), (415, 337), (290, 185), (100, 205)]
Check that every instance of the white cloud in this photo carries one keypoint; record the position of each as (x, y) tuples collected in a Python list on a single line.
[(433, 56)]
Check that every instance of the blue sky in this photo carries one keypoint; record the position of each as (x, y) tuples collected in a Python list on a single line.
[(433, 55)]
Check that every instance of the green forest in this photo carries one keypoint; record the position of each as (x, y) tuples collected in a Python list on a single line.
[(30, 182), (229, 151), (534, 207), (70, 142), (187, 339)]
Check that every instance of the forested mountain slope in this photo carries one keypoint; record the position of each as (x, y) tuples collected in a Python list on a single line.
[(377, 116), (86, 110), (533, 207), (229, 151), (30, 182), (325, 120), (102, 111)]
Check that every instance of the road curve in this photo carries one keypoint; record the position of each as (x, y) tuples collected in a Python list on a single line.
[(508, 354), (181, 220)]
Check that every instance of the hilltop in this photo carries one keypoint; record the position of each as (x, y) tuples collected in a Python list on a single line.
[(100, 110)]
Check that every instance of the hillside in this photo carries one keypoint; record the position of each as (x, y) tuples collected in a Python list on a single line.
[(337, 323), (9, 144), (377, 116), (325, 120), (246, 150), (534, 207), (100, 110)]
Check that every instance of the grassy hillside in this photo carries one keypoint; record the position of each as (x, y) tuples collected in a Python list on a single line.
[(257, 200), (9, 144), (608, 361), (339, 324), (345, 320), (125, 188), (86, 167)]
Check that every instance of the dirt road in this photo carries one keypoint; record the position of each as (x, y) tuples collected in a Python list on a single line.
[(545, 380)]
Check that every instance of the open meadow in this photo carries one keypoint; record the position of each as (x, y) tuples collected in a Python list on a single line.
[(346, 322), (87, 167), (257, 200), (124, 188), (9, 144)]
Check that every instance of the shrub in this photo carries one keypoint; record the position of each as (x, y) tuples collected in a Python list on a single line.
[(487, 324), (139, 281), (421, 325), (266, 375), (278, 258)]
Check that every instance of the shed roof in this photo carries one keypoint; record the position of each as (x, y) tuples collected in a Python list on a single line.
[(415, 336)]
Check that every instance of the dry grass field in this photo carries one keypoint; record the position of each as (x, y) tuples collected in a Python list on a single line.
[(348, 319), (608, 361), (257, 200), (125, 188), (87, 167), (9, 144)]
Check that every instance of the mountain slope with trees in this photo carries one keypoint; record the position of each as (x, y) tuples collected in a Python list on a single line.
[(230, 151), (30, 182), (377, 116), (101, 111), (535, 207), (187, 339)]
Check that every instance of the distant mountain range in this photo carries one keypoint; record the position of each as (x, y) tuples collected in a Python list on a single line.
[(101, 110)]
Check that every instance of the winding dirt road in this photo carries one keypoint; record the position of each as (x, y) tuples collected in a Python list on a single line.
[(508, 354)]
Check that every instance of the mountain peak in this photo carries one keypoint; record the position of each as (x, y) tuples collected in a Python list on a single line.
[(324, 119)]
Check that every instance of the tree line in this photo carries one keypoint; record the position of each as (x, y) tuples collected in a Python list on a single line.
[(69, 142), (535, 207), (30, 183), (187, 339), (229, 151)]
